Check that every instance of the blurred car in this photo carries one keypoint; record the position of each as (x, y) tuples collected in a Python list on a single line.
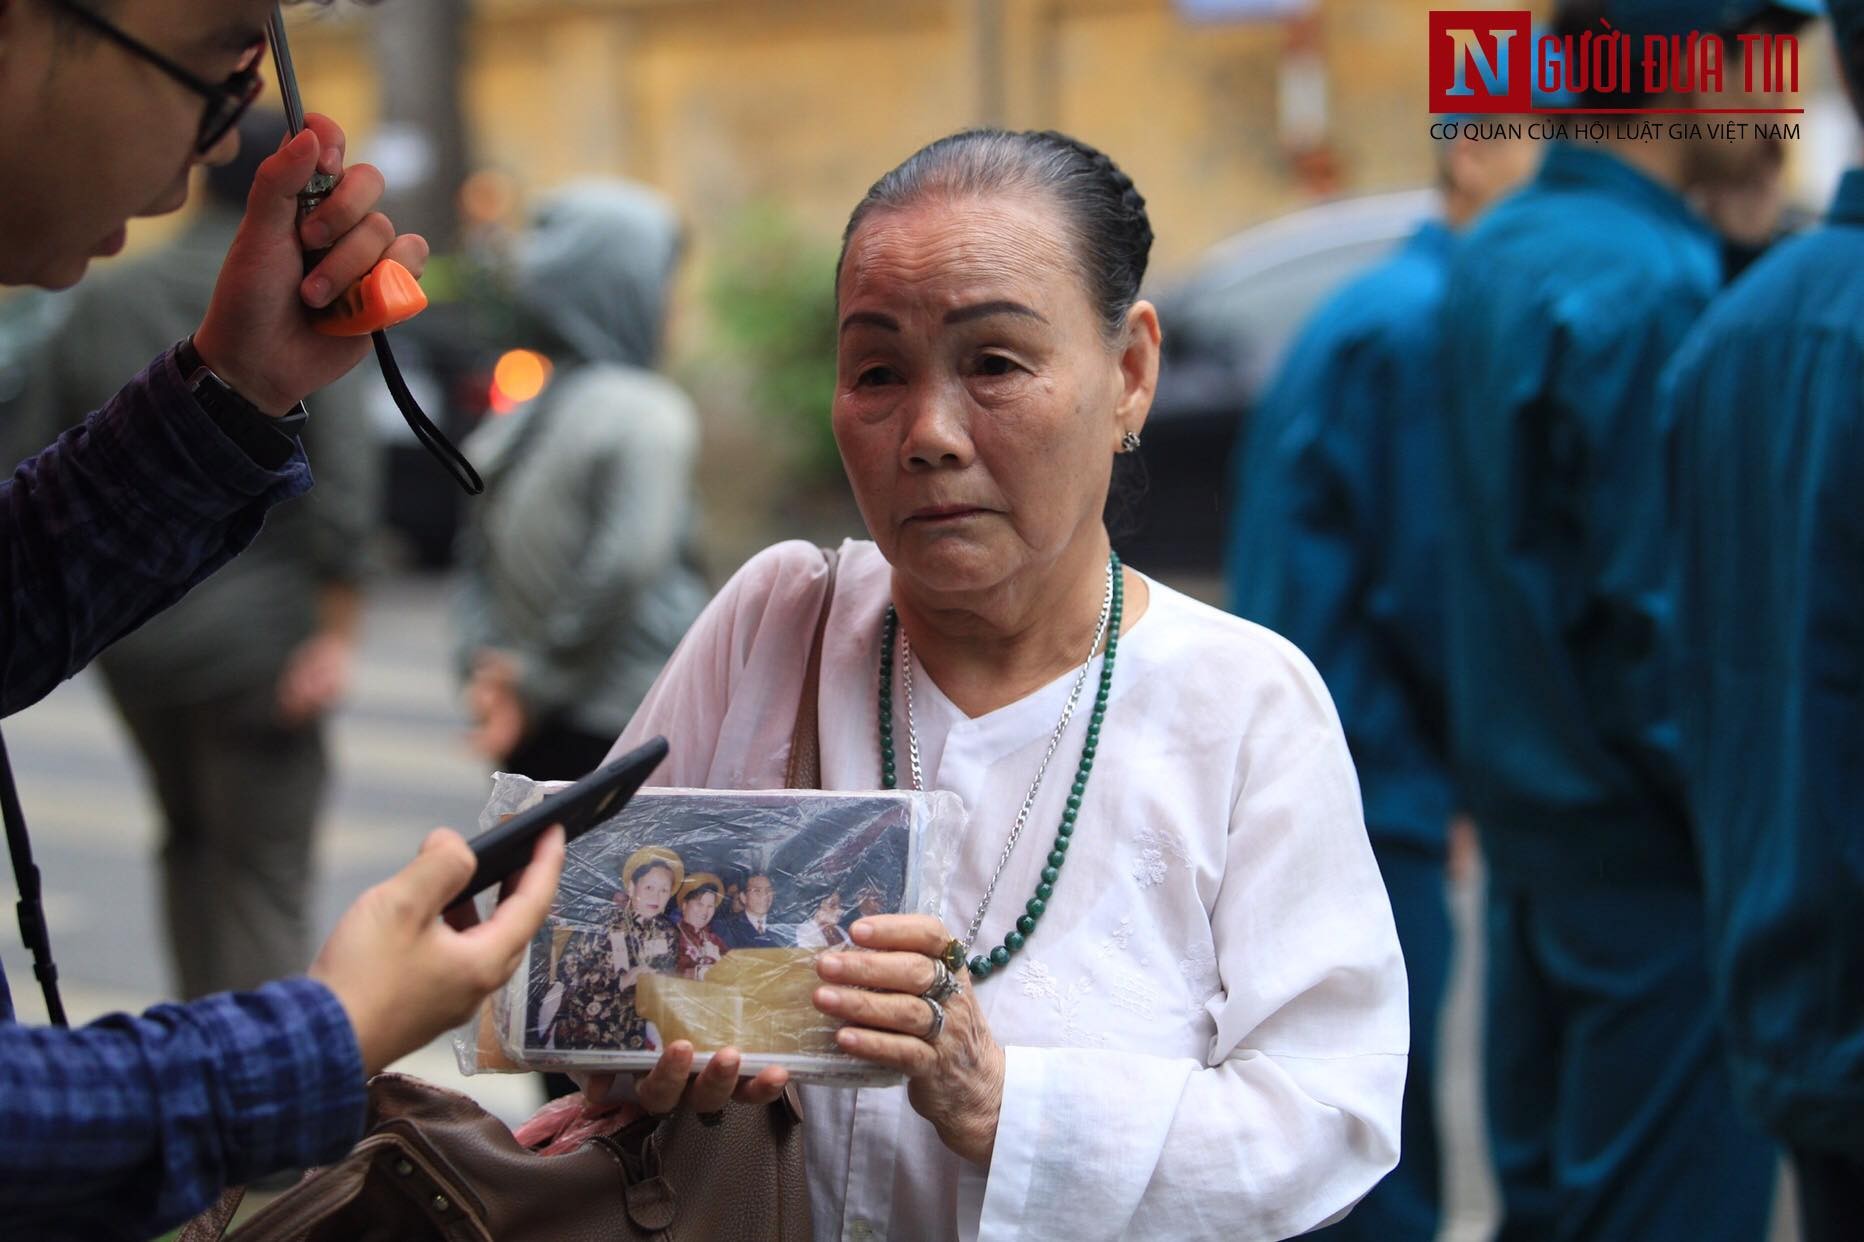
[(1226, 328)]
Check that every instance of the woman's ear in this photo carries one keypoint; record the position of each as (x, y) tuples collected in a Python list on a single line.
[(1139, 368)]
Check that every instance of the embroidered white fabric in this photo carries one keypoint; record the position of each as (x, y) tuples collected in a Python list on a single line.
[(1206, 1036)]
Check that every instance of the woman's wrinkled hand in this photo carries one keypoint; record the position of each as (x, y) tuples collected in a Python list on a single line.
[(672, 1083), (955, 1082)]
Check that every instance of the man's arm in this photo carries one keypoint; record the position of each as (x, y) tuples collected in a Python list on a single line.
[(115, 521), (1613, 471), (129, 1125), (120, 517)]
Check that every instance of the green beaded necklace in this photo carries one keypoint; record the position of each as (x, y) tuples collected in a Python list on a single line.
[(982, 965)]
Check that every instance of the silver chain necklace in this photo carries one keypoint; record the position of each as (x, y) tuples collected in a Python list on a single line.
[(1029, 800)]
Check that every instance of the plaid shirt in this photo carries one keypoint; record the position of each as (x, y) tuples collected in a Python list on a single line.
[(131, 1124), (115, 521)]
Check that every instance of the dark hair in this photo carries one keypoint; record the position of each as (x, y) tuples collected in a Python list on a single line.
[(1847, 20), (103, 8), (1106, 214), (260, 132)]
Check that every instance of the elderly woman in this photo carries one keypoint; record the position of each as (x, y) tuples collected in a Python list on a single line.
[(699, 947), (591, 1001), (1178, 1007)]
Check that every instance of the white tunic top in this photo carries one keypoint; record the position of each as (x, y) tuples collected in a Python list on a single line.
[(1206, 1036)]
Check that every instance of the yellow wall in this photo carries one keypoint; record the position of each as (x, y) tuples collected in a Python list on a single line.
[(719, 102)]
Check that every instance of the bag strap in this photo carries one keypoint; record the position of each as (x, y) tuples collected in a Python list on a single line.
[(805, 770), (211, 1225), (32, 928)]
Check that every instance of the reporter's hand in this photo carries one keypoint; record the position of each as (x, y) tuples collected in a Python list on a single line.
[(402, 975), (257, 335)]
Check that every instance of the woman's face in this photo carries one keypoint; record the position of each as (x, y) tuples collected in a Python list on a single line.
[(649, 892), (978, 403), (696, 911)]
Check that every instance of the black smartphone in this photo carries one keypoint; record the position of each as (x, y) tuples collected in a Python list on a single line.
[(596, 797)]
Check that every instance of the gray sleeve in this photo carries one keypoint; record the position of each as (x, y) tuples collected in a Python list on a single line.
[(347, 460), (642, 511)]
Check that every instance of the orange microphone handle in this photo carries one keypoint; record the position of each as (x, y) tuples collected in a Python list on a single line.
[(385, 297)]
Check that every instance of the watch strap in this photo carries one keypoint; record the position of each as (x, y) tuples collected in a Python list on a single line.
[(270, 442)]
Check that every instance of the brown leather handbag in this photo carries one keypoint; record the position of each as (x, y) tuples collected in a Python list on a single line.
[(435, 1167)]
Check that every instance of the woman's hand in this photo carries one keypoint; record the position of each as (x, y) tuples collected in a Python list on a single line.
[(956, 1081), (672, 1082)]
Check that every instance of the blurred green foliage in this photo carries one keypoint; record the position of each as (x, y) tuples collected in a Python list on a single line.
[(771, 294)]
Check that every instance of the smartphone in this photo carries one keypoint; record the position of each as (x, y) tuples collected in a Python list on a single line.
[(591, 800)]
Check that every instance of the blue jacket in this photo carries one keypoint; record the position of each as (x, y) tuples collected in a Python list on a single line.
[(129, 1125), (1565, 303), (1766, 404), (1336, 542)]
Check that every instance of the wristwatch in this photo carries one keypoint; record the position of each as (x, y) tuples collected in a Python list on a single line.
[(269, 441)]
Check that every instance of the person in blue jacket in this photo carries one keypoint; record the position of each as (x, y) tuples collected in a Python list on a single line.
[(1335, 543), (1610, 1111), (1765, 412)]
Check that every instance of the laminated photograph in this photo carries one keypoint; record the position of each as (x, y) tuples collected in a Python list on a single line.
[(698, 915)]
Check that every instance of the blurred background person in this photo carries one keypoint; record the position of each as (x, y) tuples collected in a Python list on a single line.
[(1336, 543), (1766, 413), (579, 571), (226, 694), (1609, 1106)]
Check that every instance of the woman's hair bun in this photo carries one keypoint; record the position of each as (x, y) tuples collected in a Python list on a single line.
[(1106, 213)]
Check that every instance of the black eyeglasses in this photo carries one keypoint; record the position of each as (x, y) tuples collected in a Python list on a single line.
[(227, 102)]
